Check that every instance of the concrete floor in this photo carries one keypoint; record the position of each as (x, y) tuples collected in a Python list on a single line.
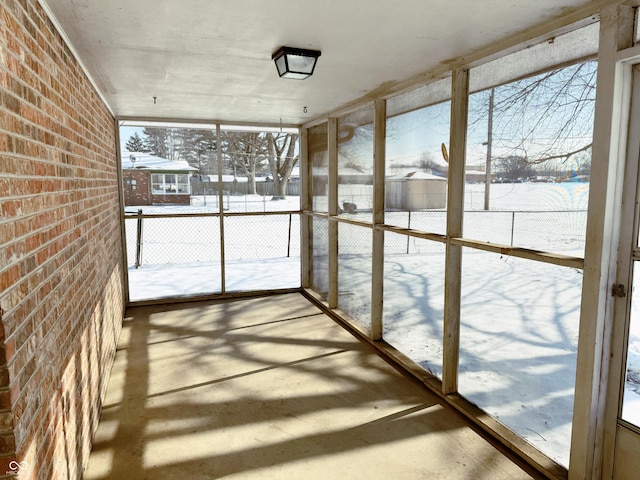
[(271, 388)]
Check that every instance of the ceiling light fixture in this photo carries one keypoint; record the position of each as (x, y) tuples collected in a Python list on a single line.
[(295, 63)]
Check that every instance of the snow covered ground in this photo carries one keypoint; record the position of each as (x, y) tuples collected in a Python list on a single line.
[(519, 327), (182, 256), (201, 278), (519, 333)]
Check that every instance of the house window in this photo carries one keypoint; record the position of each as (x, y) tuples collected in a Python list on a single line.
[(170, 183)]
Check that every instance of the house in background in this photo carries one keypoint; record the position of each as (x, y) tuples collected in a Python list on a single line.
[(151, 180)]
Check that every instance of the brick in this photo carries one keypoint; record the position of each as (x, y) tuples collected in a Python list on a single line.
[(6, 422), (7, 444), (10, 102), (7, 232), (4, 377), (11, 208), (59, 207), (9, 277), (5, 400), (4, 187)]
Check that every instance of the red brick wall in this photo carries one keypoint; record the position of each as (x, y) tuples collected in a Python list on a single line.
[(138, 193), (171, 199), (60, 249)]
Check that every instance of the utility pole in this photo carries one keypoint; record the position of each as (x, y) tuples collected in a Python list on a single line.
[(487, 168)]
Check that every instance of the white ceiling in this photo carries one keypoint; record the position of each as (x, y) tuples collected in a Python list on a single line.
[(211, 59)]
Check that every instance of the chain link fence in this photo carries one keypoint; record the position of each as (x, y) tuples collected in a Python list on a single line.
[(258, 236), (396, 244), (187, 239), (172, 239), (354, 240), (320, 256), (156, 240), (354, 272), (556, 231), (432, 221), (243, 203), (240, 186), (559, 231), (356, 199)]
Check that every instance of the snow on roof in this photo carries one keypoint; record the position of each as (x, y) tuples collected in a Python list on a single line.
[(423, 176), (144, 161), (227, 178), (416, 175)]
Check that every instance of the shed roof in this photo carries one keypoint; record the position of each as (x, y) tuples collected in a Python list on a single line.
[(417, 175)]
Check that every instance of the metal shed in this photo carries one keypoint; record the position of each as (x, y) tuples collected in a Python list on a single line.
[(416, 191)]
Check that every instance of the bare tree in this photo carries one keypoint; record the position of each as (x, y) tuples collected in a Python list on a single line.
[(245, 153), (584, 167), (282, 158), (547, 117), (428, 164), (514, 168), (354, 142)]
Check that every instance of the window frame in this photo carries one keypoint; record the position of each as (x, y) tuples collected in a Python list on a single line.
[(175, 187)]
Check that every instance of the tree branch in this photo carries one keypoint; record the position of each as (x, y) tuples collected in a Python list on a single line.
[(565, 155)]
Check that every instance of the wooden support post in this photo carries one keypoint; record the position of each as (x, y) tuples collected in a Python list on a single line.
[(305, 206), (332, 133), (221, 207), (596, 317), (455, 205), (123, 225), (377, 259)]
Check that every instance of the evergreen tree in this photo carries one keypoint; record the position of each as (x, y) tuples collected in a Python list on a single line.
[(135, 144), (195, 146)]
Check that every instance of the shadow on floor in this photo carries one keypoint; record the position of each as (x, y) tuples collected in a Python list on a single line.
[(271, 388)]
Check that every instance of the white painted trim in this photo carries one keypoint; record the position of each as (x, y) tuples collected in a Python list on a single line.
[(629, 55)]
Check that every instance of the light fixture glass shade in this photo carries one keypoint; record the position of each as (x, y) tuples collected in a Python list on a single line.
[(295, 63)]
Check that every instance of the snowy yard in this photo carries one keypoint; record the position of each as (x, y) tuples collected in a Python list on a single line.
[(518, 336), (182, 256), (519, 318)]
